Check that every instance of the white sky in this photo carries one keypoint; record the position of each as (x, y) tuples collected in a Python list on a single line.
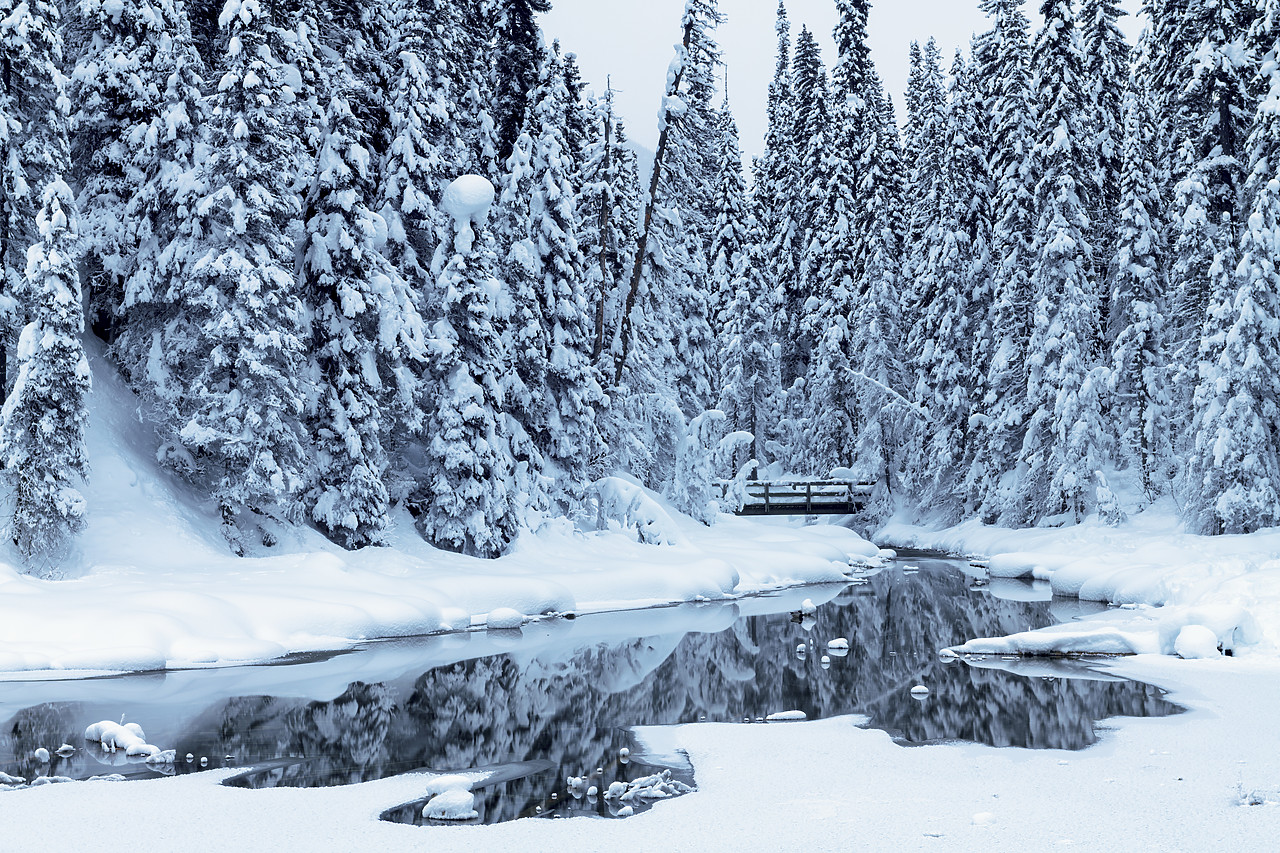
[(632, 41)]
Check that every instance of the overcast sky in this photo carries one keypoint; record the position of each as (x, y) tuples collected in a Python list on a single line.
[(632, 40)]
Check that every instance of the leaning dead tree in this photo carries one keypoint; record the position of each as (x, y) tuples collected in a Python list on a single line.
[(672, 106)]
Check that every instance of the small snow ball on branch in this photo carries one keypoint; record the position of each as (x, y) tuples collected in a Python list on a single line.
[(467, 200)]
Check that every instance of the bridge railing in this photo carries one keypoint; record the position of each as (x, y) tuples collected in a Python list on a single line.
[(803, 497)]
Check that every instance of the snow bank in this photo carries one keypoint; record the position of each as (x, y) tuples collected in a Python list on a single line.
[(152, 585), (1219, 593)]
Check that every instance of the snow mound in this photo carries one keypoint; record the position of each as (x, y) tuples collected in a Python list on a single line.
[(468, 199), (504, 618), (787, 717), (451, 805), (127, 738), (1196, 641)]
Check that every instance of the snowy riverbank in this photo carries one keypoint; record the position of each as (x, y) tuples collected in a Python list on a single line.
[(1174, 593)]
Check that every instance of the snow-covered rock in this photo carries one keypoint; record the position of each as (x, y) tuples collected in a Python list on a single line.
[(451, 805), (1196, 641)]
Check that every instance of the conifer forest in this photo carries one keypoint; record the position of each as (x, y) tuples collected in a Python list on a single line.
[(1051, 281)]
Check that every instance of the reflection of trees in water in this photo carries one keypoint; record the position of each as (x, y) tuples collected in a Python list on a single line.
[(565, 708), (48, 726)]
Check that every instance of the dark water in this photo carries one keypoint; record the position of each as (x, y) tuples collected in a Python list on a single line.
[(561, 706)]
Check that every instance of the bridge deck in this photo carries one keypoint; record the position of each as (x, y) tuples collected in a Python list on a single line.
[(808, 497)]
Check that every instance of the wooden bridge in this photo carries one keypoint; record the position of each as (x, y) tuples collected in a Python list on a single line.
[(805, 497)]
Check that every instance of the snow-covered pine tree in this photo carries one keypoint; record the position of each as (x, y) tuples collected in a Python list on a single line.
[(750, 387), (424, 147), (1065, 433), (926, 126), (1233, 468), (42, 441), (776, 186), (1000, 402), (730, 237), (887, 418), (559, 392), (1217, 99), (518, 49), (1139, 358), (33, 145), (1106, 68), (811, 125), (830, 419), (608, 204), (228, 361), (478, 103), (465, 501), (1233, 473), (134, 81), (951, 273), (365, 335)]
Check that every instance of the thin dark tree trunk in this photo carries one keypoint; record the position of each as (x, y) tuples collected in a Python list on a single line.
[(642, 245)]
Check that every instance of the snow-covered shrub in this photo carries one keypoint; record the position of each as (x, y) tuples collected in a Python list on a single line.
[(694, 489), (626, 505)]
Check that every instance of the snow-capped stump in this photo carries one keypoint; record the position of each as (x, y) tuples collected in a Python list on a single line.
[(624, 756), (41, 755), (838, 648), (616, 790), (807, 607), (626, 811), (504, 619), (919, 692), (114, 737), (451, 805), (65, 751), (787, 717), (1196, 641), (825, 663), (592, 793), (802, 651)]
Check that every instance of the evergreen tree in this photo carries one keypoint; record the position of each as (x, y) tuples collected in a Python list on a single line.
[(950, 275), (811, 129), (749, 379), (1000, 402), (365, 333), (464, 502), (560, 388), (1233, 472), (42, 442), (926, 127), (1106, 68), (227, 364), (33, 144), (730, 236), (135, 85), (1139, 374), (1063, 440), (424, 146), (830, 420), (776, 191), (609, 201), (517, 52)]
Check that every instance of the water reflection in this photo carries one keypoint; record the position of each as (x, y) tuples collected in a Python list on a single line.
[(567, 704)]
